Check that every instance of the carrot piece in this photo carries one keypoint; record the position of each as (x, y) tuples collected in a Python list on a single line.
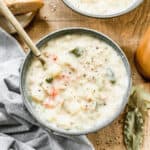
[(46, 105), (53, 93)]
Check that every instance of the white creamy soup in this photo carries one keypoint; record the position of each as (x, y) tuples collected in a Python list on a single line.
[(101, 7), (82, 84)]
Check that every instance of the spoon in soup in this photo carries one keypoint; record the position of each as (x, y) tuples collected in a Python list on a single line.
[(11, 18)]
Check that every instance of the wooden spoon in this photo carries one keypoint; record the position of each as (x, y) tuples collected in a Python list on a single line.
[(10, 17)]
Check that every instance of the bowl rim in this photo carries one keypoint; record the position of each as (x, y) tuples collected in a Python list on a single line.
[(57, 130), (129, 9)]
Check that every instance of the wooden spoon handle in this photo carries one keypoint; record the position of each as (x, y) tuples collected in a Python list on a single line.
[(10, 17)]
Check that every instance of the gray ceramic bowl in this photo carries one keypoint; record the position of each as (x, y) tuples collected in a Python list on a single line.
[(133, 6), (56, 34)]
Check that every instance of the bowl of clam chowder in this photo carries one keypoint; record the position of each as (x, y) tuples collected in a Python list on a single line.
[(102, 8), (83, 86)]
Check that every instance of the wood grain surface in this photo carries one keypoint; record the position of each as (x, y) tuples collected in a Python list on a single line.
[(126, 30)]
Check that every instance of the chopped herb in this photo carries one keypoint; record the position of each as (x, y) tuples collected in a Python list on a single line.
[(76, 51), (106, 59), (84, 75), (97, 47), (113, 81), (49, 80), (111, 76)]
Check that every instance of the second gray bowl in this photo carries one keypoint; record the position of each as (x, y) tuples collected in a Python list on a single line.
[(132, 7)]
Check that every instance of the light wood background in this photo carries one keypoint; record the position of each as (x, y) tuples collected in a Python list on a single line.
[(126, 30)]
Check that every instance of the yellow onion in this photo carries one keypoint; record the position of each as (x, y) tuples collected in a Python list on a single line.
[(142, 56)]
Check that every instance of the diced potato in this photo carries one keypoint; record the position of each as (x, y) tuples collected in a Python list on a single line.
[(46, 87), (37, 94), (63, 121), (90, 90), (67, 60), (71, 106), (54, 70), (100, 83), (51, 119)]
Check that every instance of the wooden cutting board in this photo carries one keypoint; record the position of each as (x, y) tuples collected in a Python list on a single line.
[(126, 30)]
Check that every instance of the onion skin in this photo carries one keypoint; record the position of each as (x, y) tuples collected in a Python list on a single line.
[(142, 56)]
